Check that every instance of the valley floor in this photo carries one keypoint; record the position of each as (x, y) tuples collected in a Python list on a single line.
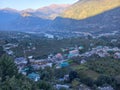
[(89, 61)]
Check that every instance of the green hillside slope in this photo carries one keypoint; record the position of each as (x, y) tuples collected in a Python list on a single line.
[(87, 8)]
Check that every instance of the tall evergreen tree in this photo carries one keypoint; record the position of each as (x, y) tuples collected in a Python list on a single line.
[(7, 68)]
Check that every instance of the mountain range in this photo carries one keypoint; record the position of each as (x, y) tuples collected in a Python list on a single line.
[(29, 19), (84, 15), (104, 22), (48, 12)]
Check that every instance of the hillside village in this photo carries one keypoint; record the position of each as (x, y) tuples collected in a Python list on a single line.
[(60, 60), (29, 66), (61, 46)]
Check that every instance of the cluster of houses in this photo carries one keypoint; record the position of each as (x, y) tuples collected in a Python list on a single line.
[(60, 60), (21, 63), (103, 51), (7, 48), (105, 88)]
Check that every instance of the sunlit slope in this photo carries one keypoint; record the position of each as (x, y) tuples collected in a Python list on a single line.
[(87, 8)]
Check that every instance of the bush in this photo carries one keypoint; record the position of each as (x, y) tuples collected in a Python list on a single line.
[(87, 81), (102, 80)]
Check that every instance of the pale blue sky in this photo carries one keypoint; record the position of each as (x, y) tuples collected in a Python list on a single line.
[(24, 4)]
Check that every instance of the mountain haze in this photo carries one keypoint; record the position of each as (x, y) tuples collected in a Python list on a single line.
[(48, 12), (29, 19), (84, 15), (7, 18)]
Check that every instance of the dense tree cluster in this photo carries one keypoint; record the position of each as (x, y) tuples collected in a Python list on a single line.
[(1, 51), (10, 79)]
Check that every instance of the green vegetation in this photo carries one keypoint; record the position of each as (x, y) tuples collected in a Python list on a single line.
[(10, 79), (1, 51), (94, 72), (105, 66), (101, 71), (44, 46), (87, 8)]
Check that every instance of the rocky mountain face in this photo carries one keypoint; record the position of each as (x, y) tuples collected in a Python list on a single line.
[(87, 8), (104, 22), (90, 16)]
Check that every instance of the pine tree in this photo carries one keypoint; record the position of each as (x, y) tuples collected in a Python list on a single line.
[(7, 68)]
